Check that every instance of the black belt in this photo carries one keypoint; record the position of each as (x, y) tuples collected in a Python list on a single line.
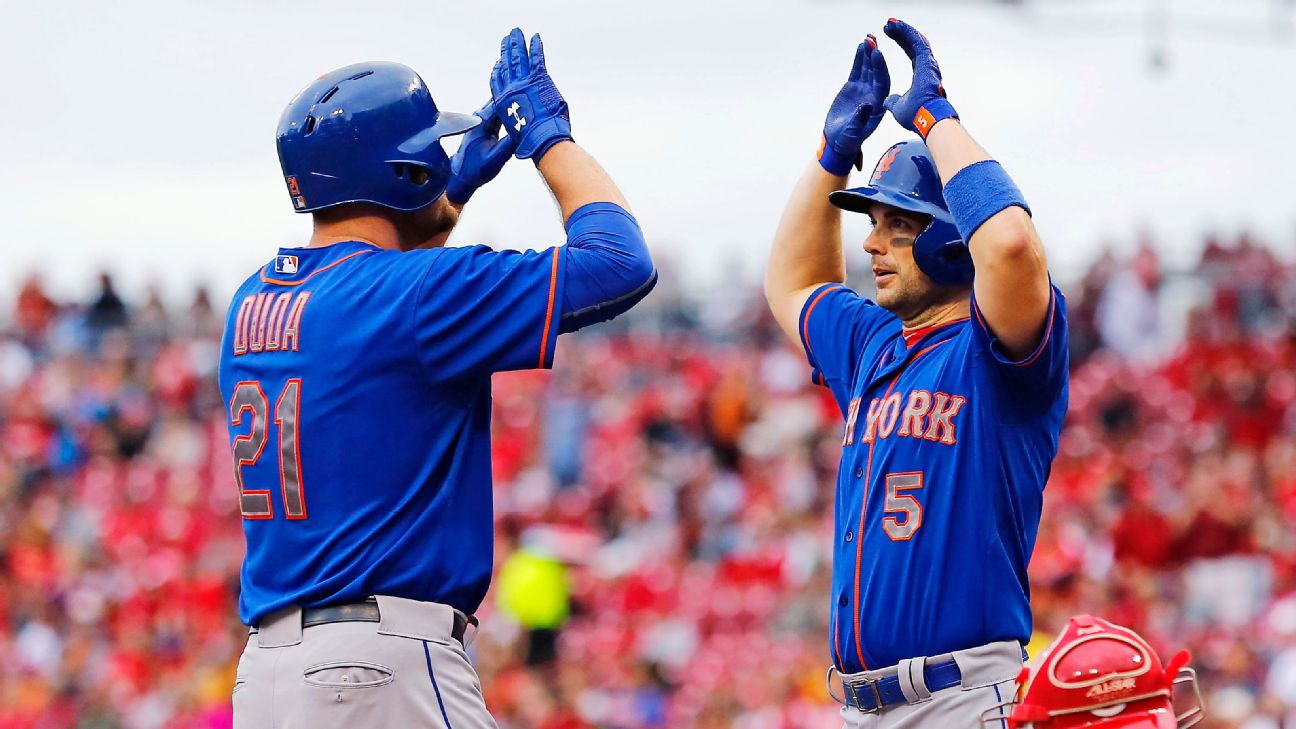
[(367, 612)]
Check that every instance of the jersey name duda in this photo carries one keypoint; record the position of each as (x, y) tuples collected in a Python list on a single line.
[(269, 322)]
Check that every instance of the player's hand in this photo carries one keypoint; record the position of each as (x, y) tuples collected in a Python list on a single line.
[(482, 154), (856, 111), (526, 101), (924, 104)]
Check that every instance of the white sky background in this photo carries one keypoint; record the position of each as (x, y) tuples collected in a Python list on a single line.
[(139, 136)]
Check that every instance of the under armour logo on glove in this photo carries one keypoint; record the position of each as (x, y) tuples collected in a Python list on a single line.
[(520, 75), (521, 120)]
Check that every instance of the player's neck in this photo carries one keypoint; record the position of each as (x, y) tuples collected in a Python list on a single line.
[(320, 241), (934, 316), (372, 229)]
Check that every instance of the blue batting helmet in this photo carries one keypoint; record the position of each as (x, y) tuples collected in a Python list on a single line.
[(906, 178), (368, 132)]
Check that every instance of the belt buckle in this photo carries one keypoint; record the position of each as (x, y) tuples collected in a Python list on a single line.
[(878, 704)]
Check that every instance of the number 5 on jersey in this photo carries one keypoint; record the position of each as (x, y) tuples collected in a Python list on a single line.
[(249, 397), (904, 511)]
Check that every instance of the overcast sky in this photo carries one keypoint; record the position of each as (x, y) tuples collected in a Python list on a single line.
[(139, 136)]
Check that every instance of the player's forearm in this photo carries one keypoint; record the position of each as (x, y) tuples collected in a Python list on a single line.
[(807, 248), (1009, 233), (576, 179), (1011, 281), (953, 148)]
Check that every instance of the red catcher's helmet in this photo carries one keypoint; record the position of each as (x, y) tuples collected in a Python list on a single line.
[(1097, 675)]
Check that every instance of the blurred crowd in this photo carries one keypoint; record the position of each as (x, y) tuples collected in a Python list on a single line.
[(663, 507)]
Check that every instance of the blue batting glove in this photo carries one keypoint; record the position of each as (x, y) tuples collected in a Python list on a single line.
[(856, 111), (482, 154), (526, 101), (924, 104)]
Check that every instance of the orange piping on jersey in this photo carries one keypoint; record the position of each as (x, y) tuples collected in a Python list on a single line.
[(927, 349), (1048, 328), (836, 638), (805, 321), (913, 335), (267, 279), (553, 290), (859, 536)]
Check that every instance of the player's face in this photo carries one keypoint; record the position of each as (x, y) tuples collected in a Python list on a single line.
[(902, 288)]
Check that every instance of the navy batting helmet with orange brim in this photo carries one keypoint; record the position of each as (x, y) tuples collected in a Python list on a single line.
[(369, 132), (906, 178)]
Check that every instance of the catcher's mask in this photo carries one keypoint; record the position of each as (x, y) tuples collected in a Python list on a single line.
[(1097, 675)]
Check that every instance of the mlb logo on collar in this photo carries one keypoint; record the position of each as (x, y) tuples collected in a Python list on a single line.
[(286, 264)]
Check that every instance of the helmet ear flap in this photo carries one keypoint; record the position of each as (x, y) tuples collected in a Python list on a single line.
[(955, 254), (942, 254)]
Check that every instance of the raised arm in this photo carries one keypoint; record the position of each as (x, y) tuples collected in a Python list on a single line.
[(606, 264), (807, 251), (535, 115), (576, 179), (1011, 284), (609, 268)]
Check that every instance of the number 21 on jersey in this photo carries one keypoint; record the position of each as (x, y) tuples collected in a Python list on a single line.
[(250, 398)]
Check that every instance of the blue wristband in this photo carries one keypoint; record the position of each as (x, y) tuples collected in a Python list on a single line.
[(835, 164), (977, 193), (547, 144), (936, 110)]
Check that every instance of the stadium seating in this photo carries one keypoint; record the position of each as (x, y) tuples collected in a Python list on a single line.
[(680, 466)]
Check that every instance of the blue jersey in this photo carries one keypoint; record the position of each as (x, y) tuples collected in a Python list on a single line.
[(358, 386), (357, 381), (947, 445)]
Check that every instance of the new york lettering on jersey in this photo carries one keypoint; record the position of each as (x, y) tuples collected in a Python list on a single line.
[(324, 349), (946, 447)]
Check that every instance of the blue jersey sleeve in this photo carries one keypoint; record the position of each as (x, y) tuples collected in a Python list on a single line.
[(835, 324), (608, 267), (1032, 382), (480, 310)]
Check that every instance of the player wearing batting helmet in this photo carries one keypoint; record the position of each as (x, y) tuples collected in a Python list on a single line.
[(357, 372), (953, 385), (1097, 675)]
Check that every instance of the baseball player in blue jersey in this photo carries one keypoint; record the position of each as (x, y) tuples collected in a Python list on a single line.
[(357, 372), (953, 385)]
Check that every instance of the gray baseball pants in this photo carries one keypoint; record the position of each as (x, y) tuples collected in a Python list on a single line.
[(988, 672), (404, 671)]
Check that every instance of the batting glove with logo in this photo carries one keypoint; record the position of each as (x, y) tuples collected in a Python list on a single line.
[(482, 154), (526, 100), (856, 111), (924, 104)]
